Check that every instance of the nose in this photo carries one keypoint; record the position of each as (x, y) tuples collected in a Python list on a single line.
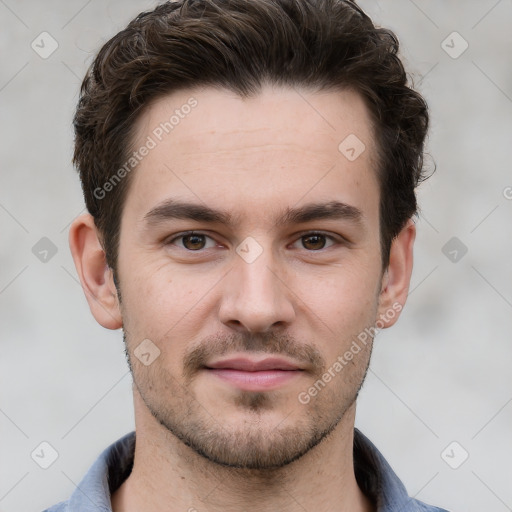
[(256, 296)]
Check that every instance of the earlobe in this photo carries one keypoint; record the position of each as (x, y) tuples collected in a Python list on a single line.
[(397, 277), (95, 275)]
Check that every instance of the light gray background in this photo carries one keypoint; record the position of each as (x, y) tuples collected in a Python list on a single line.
[(442, 374)]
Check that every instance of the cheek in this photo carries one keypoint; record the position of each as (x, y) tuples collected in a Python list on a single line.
[(339, 308), (163, 303), (147, 281), (346, 292)]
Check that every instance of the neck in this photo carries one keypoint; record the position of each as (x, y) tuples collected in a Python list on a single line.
[(168, 476)]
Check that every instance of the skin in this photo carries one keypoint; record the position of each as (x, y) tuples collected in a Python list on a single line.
[(203, 443)]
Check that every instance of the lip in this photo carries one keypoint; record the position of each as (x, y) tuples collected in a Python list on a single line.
[(251, 375), (250, 365)]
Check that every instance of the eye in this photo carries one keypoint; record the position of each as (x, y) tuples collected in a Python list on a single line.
[(316, 241), (192, 241)]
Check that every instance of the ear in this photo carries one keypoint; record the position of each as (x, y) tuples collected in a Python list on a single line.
[(95, 275), (397, 277)]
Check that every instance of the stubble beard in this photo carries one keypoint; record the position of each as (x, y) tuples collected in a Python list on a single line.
[(255, 446)]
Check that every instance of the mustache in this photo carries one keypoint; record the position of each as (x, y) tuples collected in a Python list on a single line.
[(212, 347)]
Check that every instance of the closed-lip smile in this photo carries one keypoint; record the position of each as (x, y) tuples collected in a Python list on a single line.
[(251, 365), (255, 375)]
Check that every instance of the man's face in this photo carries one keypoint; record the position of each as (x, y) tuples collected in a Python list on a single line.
[(263, 285)]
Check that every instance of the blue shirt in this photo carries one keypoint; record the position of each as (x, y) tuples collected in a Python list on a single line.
[(374, 476)]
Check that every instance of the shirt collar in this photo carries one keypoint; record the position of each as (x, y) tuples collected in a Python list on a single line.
[(378, 481), (373, 473)]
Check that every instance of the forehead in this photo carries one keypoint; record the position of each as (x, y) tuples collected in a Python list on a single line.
[(278, 114), (276, 147)]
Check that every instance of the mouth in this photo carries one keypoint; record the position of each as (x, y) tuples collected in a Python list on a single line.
[(255, 375)]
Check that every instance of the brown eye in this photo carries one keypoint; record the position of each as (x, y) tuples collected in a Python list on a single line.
[(313, 242), (194, 242)]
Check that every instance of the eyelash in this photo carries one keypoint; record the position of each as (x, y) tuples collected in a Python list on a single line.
[(335, 240)]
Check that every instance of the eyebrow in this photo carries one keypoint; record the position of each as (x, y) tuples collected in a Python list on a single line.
[(176, 209)]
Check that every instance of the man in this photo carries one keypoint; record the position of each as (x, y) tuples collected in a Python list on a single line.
[(249, 171)]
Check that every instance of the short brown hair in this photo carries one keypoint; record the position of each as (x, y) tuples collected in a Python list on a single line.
[(239, 45)]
